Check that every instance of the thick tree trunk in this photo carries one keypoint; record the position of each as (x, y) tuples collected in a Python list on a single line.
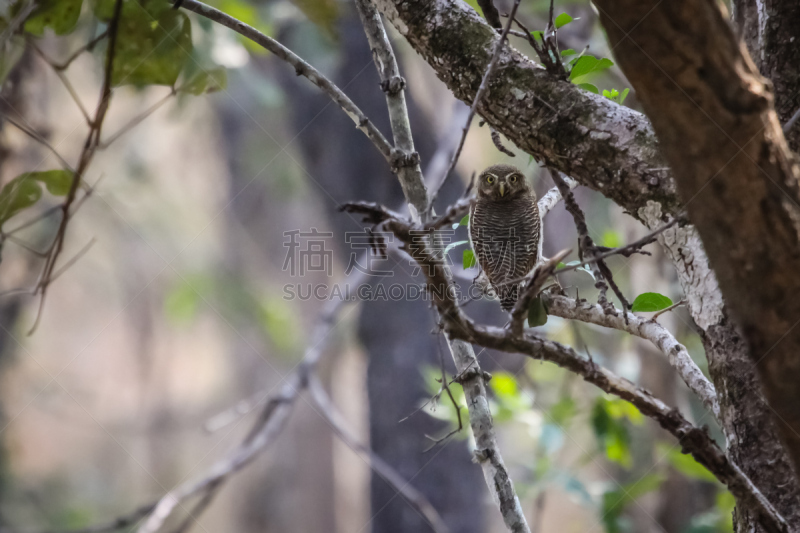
[(717, 128), (771, 31)]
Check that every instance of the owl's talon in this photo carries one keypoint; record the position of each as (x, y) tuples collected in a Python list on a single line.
[(481, 456), (402, 159), (394, 85)]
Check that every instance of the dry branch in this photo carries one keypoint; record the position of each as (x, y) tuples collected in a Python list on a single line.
[(301, 67)]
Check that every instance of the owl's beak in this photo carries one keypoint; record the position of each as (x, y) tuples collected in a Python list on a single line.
[(502, 189)]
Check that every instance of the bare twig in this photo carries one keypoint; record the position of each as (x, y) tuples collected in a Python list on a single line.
[(791, 122), (85, 48), (445, 387), (16, 22), (64, 80), (498, 47), (491, 14), (587, 248), (135, 121), (552, 197), (411, 495), (87, 154), (538, 278), (625, 250), (547, 49), (41, 140), (498, 143), (679, 303), (301, 67)]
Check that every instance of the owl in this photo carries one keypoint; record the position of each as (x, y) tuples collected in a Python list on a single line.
[(505, 230)]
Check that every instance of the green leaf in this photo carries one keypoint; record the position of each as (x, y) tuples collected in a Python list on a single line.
[(182, 302), (537, 313), (586, 65), (562, 20), (649, 302), (153, 44), (61, 15), (25, 190), (589, 87), (464, 221), (568, 52), (538, 35), (624, 95), (611, 238), (468, 259), (509, 401), (206, 82)]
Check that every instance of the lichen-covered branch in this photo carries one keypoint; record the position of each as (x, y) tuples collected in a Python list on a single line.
[(679, 358), (605, 146)]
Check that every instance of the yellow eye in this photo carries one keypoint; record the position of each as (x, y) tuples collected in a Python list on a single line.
[(490, 180), (513, 179)]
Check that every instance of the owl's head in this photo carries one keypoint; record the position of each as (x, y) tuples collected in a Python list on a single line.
[(502, 183)]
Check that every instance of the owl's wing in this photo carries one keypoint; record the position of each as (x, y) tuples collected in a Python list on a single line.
[(478, 240)]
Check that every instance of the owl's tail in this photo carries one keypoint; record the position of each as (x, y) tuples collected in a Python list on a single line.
[(508, 297)]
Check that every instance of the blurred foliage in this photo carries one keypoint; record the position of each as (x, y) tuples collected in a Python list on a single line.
[(611, 419), (238, 304), (25, 190)]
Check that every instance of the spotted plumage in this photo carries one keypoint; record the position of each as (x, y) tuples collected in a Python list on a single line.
[(504, 228)]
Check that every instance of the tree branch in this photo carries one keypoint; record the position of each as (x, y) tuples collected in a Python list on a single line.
[(301, 67), (679, 358), (414, 498)]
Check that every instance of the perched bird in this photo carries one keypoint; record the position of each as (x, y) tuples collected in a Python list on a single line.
[(505, 230)]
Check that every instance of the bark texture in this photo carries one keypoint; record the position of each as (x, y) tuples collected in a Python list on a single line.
[(771, 31), (607, 147), (717, 128)]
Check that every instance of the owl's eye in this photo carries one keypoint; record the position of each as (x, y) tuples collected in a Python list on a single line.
[(513, 179), (490, 180)]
